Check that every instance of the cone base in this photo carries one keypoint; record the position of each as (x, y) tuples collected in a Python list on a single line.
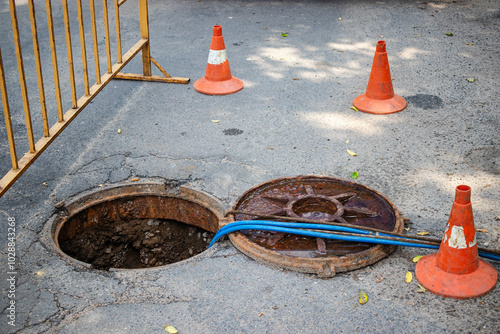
[(439, 282), (225, 87), (381, 107)]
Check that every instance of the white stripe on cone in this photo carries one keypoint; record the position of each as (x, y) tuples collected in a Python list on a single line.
[(217, 57)]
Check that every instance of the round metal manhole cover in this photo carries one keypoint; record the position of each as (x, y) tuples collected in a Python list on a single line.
[(134, 226), (317, 198)]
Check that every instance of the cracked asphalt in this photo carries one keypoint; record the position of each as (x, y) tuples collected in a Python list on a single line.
[(292, 118)]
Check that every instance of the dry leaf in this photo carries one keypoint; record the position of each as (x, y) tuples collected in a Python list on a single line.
[(215, 121), (354, 108), (482, 230), (351, 152), (421, 288), (416, 258), (133, 180), (423, 233), (363, 298), (170, 329), (119, 131), (380, 279), (269, 148), (260, 315), (409, 277)]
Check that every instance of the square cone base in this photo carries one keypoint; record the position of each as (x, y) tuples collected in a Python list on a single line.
[(439, 282), (225, 87), (381, 107)]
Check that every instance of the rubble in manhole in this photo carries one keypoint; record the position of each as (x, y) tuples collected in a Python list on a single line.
[(138, 243)]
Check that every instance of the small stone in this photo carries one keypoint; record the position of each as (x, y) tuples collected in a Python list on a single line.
[(59, 205)]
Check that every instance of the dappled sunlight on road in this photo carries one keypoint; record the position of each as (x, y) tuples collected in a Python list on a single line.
[(412, 53), (343, 59), (446, 182), (333, 121), (367, 47)]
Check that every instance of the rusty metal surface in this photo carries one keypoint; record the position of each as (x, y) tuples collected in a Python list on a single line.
[(131, 201), (319, 198)]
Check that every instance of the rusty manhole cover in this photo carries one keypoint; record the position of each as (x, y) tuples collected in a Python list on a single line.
[(317, 198), (133, 226)]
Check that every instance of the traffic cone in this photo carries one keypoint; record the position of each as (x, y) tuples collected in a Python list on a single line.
[(456, 270), (379, 97), (218, 79)]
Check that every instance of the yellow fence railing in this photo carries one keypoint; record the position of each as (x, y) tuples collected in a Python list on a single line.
[(77, 104)]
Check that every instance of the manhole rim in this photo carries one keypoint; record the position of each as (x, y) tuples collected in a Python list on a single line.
[(323, 267), (51, 229)]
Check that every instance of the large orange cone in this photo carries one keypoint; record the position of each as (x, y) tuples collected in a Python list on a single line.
[(456, 270), (218, 79), (379, 97)]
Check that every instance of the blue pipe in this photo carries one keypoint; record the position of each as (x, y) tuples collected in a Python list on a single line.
[(293, 229)]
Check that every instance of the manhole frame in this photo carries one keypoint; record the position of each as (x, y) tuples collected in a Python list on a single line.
[(81, 202), (323, 267)]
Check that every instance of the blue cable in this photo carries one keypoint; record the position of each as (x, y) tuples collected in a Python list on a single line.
[(293, 229)]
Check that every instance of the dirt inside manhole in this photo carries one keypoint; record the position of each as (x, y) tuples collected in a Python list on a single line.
[(138, 243), (133, 226)]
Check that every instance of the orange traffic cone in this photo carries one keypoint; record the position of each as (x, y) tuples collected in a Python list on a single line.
[(218, 79), (379, 97), (456, 270)]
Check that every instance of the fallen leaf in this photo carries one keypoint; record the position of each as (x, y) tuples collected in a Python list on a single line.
[(295, 79), (133, 180), (379, 279), (215, 121), (269, 148), (449, 34), (284, 34), (471, 80), (469, 44), (351, 152), (354, 108), (45, 184), (422, 233), (482, 230), (416, 258), (170, 329), (363, 298), (340, 19), (40, 273), (347, 141), (421, 288), (100, 185), (119, 131), (354, 175), (409, 277), (260, 315)]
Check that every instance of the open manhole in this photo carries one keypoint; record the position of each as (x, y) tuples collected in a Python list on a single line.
[(317, 198), (131, 226)]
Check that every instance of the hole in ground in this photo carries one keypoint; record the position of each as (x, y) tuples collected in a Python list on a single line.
[(133, 226), (138, 243)]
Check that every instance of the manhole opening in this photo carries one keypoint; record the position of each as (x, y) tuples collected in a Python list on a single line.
[(135, 226), (136, 243)]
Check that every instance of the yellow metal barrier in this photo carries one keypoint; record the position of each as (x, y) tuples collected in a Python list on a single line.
[(113, 71)]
